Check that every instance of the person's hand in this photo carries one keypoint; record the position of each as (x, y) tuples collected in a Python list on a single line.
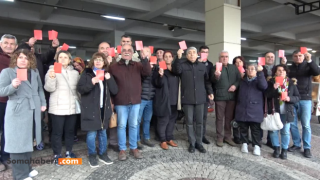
[(307, 56), (211, 97), (16, 83), (55, 43), (32, 41), (180, 52), (276, 85), (109, 59), (52, 74), (161, 72), (95, 80), (58, 49), (260, 68), (283, 60), (217, 74), (43, 108), (107, 75), (287, 99), (232, 88)]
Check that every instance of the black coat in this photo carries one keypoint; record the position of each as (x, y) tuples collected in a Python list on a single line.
[(148, 90), (195, 83), (293, 93), (303, 73), (161, 101), (91, 119)]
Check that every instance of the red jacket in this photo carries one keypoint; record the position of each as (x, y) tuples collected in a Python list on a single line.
[(4, 63), (128, 79)]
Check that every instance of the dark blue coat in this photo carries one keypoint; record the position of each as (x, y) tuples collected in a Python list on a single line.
[(250, 99)]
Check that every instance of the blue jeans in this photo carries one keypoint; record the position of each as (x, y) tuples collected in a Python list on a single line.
[(285, 134), (303, 111), (91, 141), (127, 114), (145, 112)]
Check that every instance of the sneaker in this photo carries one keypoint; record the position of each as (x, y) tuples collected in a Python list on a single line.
[(307, 153), (148, 143), (219, 143), (56, 160), (256, 150), (75, 139), (93, 162), (294, 148), (70, 155), (105, 159), (33, 173), (244, 148), (230, 142), (2, 167), (28, 178), (122, 155), (140, 146), (40, 146), (136, 153)]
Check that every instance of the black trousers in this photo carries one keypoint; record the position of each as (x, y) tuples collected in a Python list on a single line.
[(194, 111), (3, 154), (77, 125), (205, 115), (62, 124), (165, 125), (255, 132), (20, 170)]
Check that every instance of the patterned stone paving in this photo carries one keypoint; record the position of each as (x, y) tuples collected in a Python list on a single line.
[(177, 164)]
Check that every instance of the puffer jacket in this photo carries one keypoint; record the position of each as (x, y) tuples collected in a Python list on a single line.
[(62, 101), (148, 90)]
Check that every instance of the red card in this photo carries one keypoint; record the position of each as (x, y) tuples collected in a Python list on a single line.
[(183, 45), (153, 60), (151, 49), (284, 95), (163, 65), (53, 35), (119, 49), (303, 50), (100, 74), (57, 67), (65, 47), (204, 56), (279, 79), (262, 61), (218, 66), (241, 69), (281, 53), (22, 74), (111, 52), (139, 45), (38, 34)]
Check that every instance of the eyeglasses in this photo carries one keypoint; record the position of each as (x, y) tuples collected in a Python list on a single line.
[(99, 60), (127, 50), (251, 69)]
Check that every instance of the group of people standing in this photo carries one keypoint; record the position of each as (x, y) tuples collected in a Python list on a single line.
[(138, 91)]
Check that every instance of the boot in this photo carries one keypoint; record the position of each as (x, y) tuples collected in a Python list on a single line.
[(276, 152), (283, 154)]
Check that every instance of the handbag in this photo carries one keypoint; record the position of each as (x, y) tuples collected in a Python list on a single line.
[(271, 122), (77, 99), (113, 119)]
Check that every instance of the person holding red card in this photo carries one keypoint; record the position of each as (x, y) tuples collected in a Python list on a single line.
[(127, 40), (303, 68), (96, 106), (166, 102), (23, 112), (285, 107), (64, 103), (127, 74), (226, 83), (104, 48), (195, 87)]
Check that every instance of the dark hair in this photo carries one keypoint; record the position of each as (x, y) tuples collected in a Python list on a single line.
[(268, 53), (31, 58), (126, 36), (159, 49), (96, 55), (285, 68), (241, 58), (168, 52), (295, 52), (203, 47)]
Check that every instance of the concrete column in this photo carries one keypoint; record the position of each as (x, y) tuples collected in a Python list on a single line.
[(223, 28), (116, 38)]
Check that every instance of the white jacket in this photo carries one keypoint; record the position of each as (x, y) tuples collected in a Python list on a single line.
[(62, 102)]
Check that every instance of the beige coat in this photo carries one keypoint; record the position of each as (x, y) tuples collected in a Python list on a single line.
[(61, 101)]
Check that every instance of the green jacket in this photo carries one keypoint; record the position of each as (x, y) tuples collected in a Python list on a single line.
[(230, 75)]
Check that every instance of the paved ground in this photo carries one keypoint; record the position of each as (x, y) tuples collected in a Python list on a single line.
[(177, 164)]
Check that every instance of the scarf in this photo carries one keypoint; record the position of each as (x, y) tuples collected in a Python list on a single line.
[(251, 79), (95, 69)]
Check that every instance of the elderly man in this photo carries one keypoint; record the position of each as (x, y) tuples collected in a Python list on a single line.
[(8, 44), (103, 48), (303, 70), (127, 74), (125, 39), (226, 82), (195, 84)]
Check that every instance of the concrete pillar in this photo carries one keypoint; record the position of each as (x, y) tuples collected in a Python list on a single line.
[(223, 28), (116, 38), (81, 53)]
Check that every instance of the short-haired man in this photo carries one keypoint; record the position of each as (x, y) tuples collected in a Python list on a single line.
[(226, 82), (103, 48), (127, 40), (209, 66), (303, 70), (127, 74), (159, 54), (8, 44)]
